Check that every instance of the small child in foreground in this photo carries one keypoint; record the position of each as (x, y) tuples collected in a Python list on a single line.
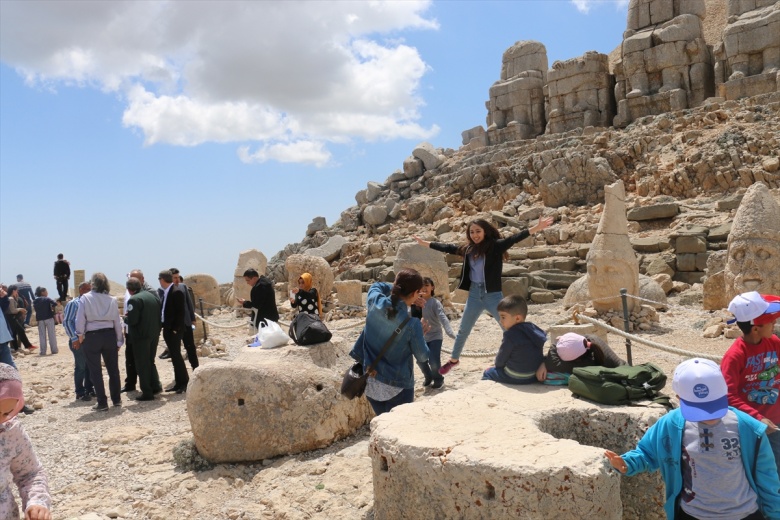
[(572, 350), (522, 349), (715, 461), (18, 461)]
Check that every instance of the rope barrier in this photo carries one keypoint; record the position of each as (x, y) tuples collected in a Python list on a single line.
[(639, 339), (219, 325)]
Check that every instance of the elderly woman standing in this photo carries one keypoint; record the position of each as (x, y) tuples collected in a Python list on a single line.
[(99, 331), (18, 462), (392, 383)]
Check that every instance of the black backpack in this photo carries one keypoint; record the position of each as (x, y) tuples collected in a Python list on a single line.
[(308, 329)]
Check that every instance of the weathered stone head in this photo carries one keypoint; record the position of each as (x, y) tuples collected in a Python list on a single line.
[(612, 262), (754, 245)]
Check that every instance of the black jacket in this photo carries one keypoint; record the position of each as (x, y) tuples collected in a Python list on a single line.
[(173, 312), (62, 269), (494, 261), (263, 298)]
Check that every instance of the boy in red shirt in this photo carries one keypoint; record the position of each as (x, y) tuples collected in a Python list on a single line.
[(751, 366)]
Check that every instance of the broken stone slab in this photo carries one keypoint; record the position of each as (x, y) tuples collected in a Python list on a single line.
[(650, 244), (349, 292), (690, 244), (428, 155), (330, 250), (374, 215), (534, 452), (729, 203), (428, 262), (557, 279), (652, 212), (273, 402), (317, 224)]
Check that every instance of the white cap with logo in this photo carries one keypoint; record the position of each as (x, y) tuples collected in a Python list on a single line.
[(702, 390)]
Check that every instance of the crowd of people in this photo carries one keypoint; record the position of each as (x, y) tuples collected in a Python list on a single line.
[(718, 453)]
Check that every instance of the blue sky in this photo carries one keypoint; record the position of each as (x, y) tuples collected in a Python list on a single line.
[(159, 134)]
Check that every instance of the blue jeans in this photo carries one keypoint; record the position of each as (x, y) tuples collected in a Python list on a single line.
[(80, 372), (478, 301), (380, 407), (430, 368), (5, 354), (499, 376)]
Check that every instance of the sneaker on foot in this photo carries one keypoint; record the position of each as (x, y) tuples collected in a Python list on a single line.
[(449, 365), (86, 397), (100, 407), (437, 384), (428, 381)]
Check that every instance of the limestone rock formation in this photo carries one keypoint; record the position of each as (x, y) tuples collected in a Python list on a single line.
[(665, 62), (754, 245), (317, 224), (427, 262), (317, 267), (579, 93), (575, 179), (534, 452), (349, 292), (206, 287), (748, 58), (273, 402), (249, 259), (516, 105), (429, 156)]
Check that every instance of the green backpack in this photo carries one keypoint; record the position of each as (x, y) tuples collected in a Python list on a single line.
[(620, 385)]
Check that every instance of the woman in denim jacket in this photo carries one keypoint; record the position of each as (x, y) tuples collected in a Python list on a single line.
[(392, 382)]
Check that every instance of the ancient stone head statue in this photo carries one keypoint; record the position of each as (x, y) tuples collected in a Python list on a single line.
[(612, 262), (754, 245)]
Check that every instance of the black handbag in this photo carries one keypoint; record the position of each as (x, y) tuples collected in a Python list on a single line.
[(308, 329), (355, 379)]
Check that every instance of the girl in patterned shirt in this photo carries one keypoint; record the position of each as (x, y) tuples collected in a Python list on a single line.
[(305, 297), (18, 462)]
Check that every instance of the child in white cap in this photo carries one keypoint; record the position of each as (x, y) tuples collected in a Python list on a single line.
[(751, 366), (18, 462), (716, 461)]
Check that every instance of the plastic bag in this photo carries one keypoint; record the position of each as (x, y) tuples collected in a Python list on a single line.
[(271, 335)]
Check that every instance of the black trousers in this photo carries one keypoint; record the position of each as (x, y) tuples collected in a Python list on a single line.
[(173, 342), (102, 344), (189, 346), (62, 288), (19, 332), (131, 374)]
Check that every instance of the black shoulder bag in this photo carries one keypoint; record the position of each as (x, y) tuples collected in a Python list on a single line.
[(354, 382)]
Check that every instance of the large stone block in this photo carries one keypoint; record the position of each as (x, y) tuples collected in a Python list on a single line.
[(273, 402), (330, 250), (535, 452), (427, 262), (317, 267), (428, 155), (204, 286), (249, 259), (349, 292)]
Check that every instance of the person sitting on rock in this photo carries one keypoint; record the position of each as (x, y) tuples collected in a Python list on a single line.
[(261, 297), (573, 350), (522, 348), (305, 298)]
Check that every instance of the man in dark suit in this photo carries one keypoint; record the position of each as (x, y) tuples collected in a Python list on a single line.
[(261, 297), (173, 309), (189, 319), (143, 330)]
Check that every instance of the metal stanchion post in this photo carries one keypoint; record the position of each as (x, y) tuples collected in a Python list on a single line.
[(626, 325), (200, 302)]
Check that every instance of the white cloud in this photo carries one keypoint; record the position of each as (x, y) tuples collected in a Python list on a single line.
[(297, 73), (310, 152), (584, 6)]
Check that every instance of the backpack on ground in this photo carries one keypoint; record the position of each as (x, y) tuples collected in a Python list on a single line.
[(308, 329), (620, 385)]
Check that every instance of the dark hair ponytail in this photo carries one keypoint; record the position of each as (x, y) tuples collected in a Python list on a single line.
[(406, 282)]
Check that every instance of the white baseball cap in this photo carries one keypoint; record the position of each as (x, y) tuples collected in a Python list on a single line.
[(749, 306), (570, 346), (702, 390)]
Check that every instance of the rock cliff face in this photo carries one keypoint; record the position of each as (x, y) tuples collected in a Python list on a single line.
[(684, 174)]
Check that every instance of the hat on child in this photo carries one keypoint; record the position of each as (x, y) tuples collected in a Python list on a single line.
[(570, 346), (11, 388), (702, 390), (755, 308)]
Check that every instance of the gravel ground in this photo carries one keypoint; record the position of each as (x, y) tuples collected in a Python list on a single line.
[(120, 464)]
